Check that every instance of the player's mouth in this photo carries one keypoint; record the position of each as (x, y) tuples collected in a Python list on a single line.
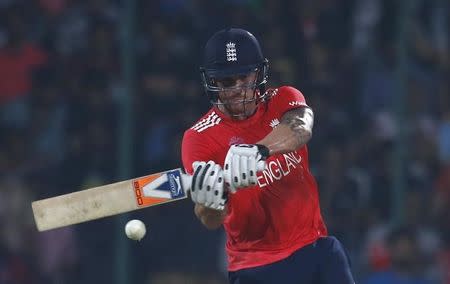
[(236, 101)]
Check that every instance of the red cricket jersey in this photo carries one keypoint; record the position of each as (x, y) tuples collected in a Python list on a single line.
[(267, 222)]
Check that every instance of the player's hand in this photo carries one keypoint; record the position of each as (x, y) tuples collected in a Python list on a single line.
[(242, 163), (207, 187)]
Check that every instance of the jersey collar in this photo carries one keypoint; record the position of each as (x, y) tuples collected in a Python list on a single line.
[(252, 120)]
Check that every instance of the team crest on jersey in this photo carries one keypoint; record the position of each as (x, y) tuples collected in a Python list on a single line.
[(207, 122), (231, 51), (236, 140), (274, 123)]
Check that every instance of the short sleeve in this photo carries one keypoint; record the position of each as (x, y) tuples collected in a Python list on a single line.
[(288, 98), (194, 148)]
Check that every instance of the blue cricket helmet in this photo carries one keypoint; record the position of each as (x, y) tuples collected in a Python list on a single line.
[(230, 52)]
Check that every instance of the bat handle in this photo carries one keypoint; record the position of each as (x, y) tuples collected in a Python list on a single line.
[(186, 181)]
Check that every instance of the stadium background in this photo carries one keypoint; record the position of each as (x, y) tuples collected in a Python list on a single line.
[(98, 91)]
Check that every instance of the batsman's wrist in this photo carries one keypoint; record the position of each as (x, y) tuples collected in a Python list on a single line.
[(263, 150)]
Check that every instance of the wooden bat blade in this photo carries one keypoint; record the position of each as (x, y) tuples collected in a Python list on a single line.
[(108, 200)]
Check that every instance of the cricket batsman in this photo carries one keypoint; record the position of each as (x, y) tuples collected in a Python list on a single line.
[(249, 161)]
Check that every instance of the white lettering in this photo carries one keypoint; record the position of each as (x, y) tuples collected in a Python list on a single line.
[(285, 171), (274, 168), (267, 174), (290, 161), (261, 183), (297, 158), (296, 103), (278, 168)]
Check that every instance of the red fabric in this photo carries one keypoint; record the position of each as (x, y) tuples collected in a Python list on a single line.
[(443, 181), (16, 66), (53, 7), (379, 257), (268, 222), (444, 263)]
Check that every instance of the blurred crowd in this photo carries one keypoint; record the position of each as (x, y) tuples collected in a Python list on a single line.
[(374, 72)]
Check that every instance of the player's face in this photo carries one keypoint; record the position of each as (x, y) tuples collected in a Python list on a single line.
[(237, 95)]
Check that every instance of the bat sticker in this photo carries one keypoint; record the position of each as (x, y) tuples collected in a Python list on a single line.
[(158, 188)]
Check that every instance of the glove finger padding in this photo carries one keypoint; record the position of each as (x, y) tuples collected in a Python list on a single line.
[(203, 181), (261, 165), (220, 198), (227, 173), (215, 194), (242, 163), (236, 170), (198, 168), (207, 186), (210, 183), (244, 181), (252, 178)]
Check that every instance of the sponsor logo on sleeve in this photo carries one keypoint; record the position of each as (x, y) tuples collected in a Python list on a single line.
[(297, 103)]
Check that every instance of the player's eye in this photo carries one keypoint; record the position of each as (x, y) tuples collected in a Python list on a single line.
[(243, 77), (227, 82)]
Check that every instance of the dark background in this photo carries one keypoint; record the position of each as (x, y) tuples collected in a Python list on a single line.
[(374, 71)]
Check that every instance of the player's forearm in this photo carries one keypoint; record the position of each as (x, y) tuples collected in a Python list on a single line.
[(294, 131), (210, 218), (283, 140)]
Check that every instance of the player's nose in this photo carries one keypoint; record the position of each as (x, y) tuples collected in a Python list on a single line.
[(240, 82), (234, 93)]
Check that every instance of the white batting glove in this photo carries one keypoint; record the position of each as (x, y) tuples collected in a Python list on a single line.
[(242, 163), (207, 187)]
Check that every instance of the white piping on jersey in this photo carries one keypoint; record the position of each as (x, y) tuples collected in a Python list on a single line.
[(211, 120)]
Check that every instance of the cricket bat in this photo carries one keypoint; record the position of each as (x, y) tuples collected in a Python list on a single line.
[(111, 199)]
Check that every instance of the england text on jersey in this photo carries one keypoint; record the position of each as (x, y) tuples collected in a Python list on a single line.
[(278, 168)]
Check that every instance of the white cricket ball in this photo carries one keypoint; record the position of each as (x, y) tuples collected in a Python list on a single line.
[(135, 229)]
